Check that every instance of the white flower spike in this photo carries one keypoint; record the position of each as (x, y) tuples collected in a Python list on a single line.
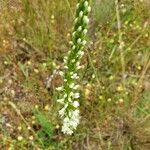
[(69, 96)]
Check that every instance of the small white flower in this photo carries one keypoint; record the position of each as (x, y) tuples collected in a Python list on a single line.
[(70, 123), (76, 87), (73, 60), (65, 80), (75, 104), (74, 121), (61, 101), (66, 105), (86, 19), (79, 67), (80, 53), (71, 43), (73, 34), (76, 95), (65, 96), (69, 99), (71, 93), (76, 20), (78, 64), (73, 47), (74, 76), (66, 129), (77, 77), (68, 53), (61, 73), (62, 112), (75, 113), (71, 85), (65, 59), (77, 6), (59, 88), (66, 67), (79, 41)]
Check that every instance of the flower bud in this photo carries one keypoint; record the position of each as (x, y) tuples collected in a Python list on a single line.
[(71, 85), (81, 53), (81, 14), (79, 41), (84, 42), (86, 4), (61, 73), (76, 20), (79, 29), (71, 43), (84, 31), (86, 19), (61, 101), (66, 67), (77, 6), (73, 60), (73, 34), (73, 47), (59, 88)]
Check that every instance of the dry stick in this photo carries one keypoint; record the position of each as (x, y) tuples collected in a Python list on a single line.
[(23, 119), (51, 77), (69, 7), (120, 42)]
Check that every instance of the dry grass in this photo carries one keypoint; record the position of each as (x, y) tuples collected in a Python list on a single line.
[(115, 112)]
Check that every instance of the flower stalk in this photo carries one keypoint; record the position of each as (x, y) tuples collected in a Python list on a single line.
[(69, 97)]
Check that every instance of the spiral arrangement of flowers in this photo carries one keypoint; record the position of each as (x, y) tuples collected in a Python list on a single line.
[(69, 96)]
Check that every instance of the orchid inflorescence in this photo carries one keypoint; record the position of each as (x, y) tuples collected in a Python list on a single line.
[(70, 112)]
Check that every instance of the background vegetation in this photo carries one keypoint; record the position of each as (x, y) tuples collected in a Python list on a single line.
[(114, 81)]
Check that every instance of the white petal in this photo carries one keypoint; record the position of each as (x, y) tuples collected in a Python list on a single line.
[(76, 104), (59, 88), (76, 95)]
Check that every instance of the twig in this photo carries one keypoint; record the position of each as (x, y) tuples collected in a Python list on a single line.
[(69, 7), (51, 77), (121, 43)]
